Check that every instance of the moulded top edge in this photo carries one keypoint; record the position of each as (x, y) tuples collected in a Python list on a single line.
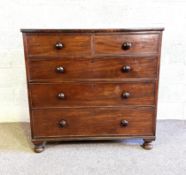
[(88, 30)]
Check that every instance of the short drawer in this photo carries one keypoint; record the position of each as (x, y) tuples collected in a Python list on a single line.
[(57, 45), (93, 122), (100, 68), (122, 44), (91, 94)]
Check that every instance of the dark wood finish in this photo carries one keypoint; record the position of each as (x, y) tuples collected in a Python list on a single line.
[(147, 144), (124, 123), (62, 123), (126, 44), (91, 94), (39, 146), (58, 45), (92, 122), (92, 84), (104, 68), (91, 30), (91, 138)]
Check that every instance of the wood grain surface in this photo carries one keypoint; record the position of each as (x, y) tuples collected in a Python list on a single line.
[(92, 84), (92, 122)]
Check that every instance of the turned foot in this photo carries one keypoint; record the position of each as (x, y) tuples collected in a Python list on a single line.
[(147, 144), (39, 146)]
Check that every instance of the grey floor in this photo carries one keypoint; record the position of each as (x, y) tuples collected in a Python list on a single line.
[(94, 158)]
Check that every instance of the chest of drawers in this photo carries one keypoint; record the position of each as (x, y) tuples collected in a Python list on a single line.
[(92, 84)]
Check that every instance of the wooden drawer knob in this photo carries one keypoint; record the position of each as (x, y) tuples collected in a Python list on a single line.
[(61, 96), (126, 45), (59, 45), (126, 69), (62, 123), (124, 123), (60, 69), (126, 95)]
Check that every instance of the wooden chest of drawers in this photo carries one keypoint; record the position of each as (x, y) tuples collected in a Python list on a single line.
[(92, 84)]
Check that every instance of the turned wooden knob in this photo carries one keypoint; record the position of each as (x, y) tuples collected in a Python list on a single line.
[(126, 45), (126, 95), (62, 123), (61, 95), (60, 69), (126, 69), (124, 123), (59, 45)]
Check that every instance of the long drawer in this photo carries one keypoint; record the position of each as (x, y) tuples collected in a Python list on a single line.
[(91, 94), (100, 68), (93, 122)]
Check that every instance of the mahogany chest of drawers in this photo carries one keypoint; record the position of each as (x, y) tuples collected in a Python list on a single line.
[(92, 84)]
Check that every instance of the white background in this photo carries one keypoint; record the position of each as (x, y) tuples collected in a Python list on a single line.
[(17, 14)]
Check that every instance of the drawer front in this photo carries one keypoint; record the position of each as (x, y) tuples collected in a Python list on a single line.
[(92, 122), (91, 94), (58, 45), (126, 44), (103, 68)]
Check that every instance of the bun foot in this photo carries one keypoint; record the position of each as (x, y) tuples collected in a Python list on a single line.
[(39, 147), (147, 145)]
